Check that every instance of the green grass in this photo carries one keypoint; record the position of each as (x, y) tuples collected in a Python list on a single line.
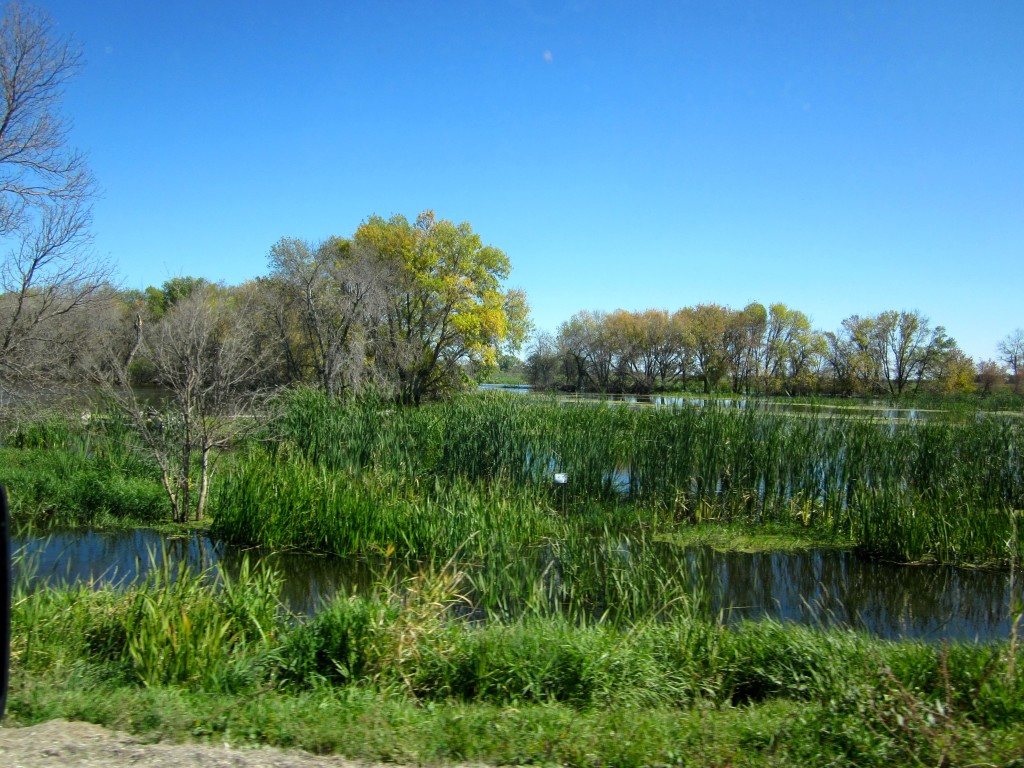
[(350, 475), (394, 674), (752, 537), (60, 472)]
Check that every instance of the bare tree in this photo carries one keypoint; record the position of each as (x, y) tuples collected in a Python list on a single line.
[(914, 348), (888, 351), (542, 363), (1011, 352), (742, 339), (203, 352), (991, 377), (587, 349), (333, 295), (46, 270)]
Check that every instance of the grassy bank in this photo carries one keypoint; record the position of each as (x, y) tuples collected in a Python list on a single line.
[(393, 674)]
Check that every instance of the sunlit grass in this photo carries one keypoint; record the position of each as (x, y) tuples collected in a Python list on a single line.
[(190, 654), (350, 475)]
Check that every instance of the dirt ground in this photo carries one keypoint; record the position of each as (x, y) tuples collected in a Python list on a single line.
[(84, 745)]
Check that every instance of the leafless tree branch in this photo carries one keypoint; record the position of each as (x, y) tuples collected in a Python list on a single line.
[(48, 275)]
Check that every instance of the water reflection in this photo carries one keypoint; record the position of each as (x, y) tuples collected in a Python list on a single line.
[(818, 587), (838, 588), (874, 409)]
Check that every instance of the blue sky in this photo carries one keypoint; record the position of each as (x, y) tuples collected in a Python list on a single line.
[(841, 157)]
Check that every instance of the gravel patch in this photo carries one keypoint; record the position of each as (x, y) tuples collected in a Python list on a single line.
[(84, 745)]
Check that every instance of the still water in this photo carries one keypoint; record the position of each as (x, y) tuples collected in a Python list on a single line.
[(822, 407), (817, 587)]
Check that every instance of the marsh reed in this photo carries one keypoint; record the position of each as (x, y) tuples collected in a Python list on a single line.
[(348, 475)]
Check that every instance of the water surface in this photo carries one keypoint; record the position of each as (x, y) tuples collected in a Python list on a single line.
[(824, 587)]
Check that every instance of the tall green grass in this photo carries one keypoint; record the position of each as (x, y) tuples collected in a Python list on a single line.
[(63, 471), (345, 475), (854, 700), (179, 626)]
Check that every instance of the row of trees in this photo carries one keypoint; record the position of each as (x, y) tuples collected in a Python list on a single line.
[(757, 349), (407, 308)]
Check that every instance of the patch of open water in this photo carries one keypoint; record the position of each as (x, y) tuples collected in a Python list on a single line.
[(815, 587)]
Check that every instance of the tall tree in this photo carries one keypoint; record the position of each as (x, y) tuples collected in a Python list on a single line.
[(867, 349), (953, 371), (909, 348), (574, 344), (707, 324), (447, 305), (991, 377), (677, 360), (637, 338), (840, 356), (1011, 352), (542, 362), (47, 272), (888, 352), (786, 343), (806, 356), (742, 340), (335, 292)]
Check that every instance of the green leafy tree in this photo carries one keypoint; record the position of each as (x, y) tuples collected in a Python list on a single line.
[(786, 349), (954, 372), (446, 306), (706, 324)]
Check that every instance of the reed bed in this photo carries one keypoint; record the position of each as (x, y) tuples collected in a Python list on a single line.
[(295, 504), (63, 471), (348, 475)]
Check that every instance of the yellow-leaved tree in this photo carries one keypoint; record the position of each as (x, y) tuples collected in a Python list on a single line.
[(447, 307)]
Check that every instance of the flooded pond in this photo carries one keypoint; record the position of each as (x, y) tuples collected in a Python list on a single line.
[(817, 587), (873, 409)]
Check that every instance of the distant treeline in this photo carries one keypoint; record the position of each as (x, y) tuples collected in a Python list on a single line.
[(415, 310), (770, 350)]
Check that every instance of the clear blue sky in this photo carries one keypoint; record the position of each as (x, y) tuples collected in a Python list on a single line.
[(841, 157)]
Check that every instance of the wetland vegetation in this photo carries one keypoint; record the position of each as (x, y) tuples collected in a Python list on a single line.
[(605, 653), (522, 611), (348, 479), (391, 673)]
